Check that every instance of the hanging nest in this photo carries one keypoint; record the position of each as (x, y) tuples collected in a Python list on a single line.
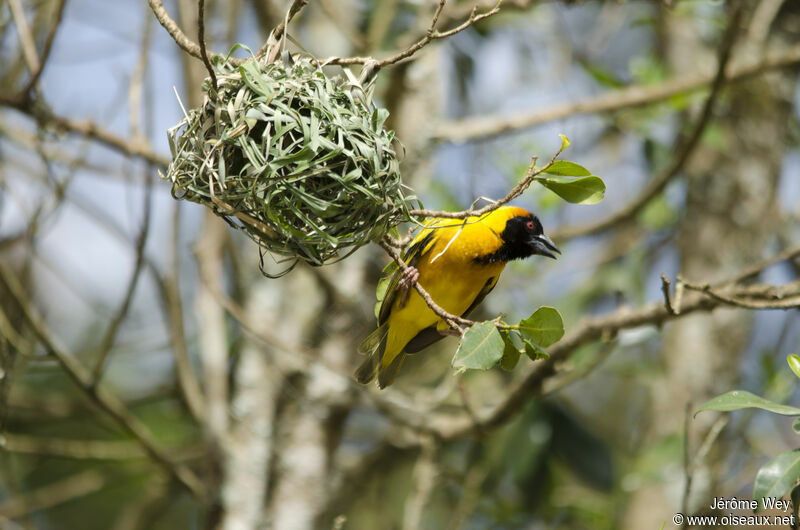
[(301, 163)]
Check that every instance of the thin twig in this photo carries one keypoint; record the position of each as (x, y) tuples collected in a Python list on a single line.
[(201, 38), (111, 332), (136, 85), (665, 283), (173, 307), (180, 38), (687, 468), (26, 38), (515, 192), (753, 270), (48, 46), (486, 127), (692, 464), (454, 321), (423, 41), (771, 299)]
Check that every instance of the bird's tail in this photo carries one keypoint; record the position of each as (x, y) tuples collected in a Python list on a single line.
[(375, 346)]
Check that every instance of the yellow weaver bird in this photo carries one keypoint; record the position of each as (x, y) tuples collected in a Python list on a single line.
[(458, 263)]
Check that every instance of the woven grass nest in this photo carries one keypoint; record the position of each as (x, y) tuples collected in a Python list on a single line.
[(298, 161)]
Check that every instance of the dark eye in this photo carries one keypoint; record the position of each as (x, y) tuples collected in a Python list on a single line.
[(530, 225)]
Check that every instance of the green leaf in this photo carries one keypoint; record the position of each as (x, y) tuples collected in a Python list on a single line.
[(534, 352), (740, 399), (777, 477), (383, 285), (794, 363), (795, 500), (796, 425), (583, 190), (511, 352), (543, 328), (380, 293), (566, 168), (480, 349), (564, 142)]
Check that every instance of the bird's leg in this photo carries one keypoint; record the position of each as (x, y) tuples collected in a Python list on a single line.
[(407, 281)]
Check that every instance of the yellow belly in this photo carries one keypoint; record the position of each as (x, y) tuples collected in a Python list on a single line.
[(453, 286)]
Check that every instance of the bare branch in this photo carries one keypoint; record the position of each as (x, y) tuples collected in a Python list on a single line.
[(135, 87), (72, 487), (201, 38), (136, 147), (213, 334), (185, 43), (683, 151), (187, 379), (26, 39), (787, 255), (485, 127), (770, 298), (450, 426), (111, 332), (429, 36), (48, 46)]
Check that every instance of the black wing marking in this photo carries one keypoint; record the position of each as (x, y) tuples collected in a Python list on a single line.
[(411, 258), (487, 288)]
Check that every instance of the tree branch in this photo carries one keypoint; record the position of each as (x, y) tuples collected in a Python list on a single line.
[(24, 94), (486, 127), (201, 38), (429, 36), (683, 151), (451, 426)]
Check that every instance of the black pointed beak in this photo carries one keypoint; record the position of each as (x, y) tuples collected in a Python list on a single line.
[(544, 246)]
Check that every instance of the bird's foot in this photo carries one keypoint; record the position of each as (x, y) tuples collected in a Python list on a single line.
[(409, 278)]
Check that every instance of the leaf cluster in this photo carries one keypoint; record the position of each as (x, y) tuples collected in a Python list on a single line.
[(781, 474), (487, 343)]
